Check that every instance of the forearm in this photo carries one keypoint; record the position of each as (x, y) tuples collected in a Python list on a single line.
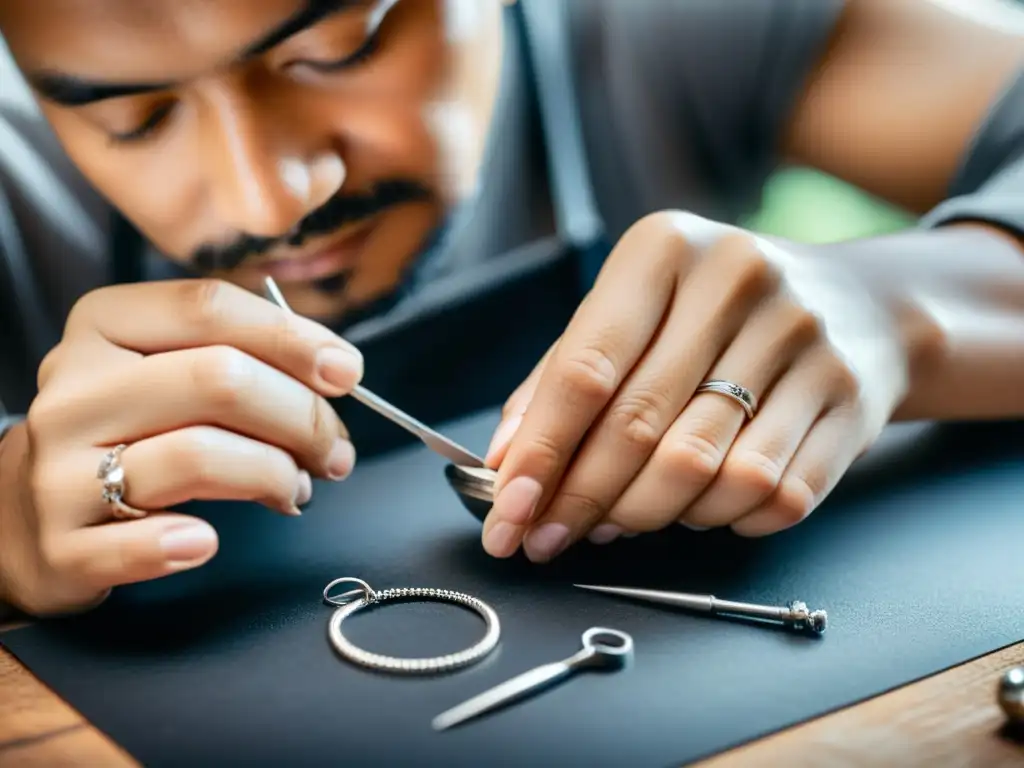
[(957, 294)]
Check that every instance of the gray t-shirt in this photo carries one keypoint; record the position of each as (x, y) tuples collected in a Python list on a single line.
[(681, 104)]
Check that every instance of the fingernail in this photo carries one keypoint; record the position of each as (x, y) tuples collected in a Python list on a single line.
[(503, 434), (604, 534), (692, 527), (304, 491), (502, 539), (186, 544), (341, 460), (340, 368), (517, 501), (546, 542)]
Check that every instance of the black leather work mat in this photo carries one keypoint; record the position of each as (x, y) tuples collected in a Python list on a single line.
[(917, 558)]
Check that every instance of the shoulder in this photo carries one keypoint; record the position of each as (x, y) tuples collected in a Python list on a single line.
[(704, 41), (696, 92), (730, 21)]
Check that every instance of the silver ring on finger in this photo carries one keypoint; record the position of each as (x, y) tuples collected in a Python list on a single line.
[(111, 472), (736, 392)]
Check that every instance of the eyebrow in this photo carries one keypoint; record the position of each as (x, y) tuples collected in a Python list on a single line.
[(72, 91)]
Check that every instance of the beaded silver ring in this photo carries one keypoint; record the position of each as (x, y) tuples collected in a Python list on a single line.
[(413, 666)]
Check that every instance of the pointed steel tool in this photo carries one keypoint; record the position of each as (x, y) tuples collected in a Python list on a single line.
[(433, 440), (603, 648), (795, 615)]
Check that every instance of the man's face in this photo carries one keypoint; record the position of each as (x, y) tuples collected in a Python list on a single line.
[(317, 142)]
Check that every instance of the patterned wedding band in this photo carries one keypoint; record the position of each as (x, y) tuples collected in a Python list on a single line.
[(112, 474), (741, 395)]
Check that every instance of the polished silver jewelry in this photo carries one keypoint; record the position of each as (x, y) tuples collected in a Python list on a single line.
[(112, 474), (741, 395), (367, 597)]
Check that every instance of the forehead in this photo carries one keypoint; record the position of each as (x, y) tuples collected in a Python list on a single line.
[(112, 39)]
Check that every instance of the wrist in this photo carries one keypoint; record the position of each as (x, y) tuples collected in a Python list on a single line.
[(956, 299)]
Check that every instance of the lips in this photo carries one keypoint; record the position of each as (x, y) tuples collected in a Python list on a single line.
[(336, 256)]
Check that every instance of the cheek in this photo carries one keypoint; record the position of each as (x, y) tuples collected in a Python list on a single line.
[(138, 184)]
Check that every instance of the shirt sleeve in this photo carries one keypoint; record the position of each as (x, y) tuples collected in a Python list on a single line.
[(989, 184)]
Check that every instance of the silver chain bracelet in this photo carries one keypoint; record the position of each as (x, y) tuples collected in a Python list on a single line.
[(434, 665)]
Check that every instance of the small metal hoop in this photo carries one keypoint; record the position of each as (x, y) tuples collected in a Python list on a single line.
[(413, 666), (339, 600), (608, 650)]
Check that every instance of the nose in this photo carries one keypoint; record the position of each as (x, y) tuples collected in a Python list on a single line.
[(262, 181)]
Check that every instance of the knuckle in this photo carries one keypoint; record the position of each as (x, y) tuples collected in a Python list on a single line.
[(753, 472), (45, 415), (639, 418), (660, 224), (545, 455), (659, 233), (590, 373), (641, 519), (754, 274), (692, 455), (187, 458), (794, 501), (579, 507), (223, 376), (803, 326), (204, 301), (322, 423), (48, 365), (82, 311), (842, 378), (285, 337)]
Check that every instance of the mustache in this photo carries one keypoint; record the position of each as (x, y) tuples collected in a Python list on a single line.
[(330, 217)]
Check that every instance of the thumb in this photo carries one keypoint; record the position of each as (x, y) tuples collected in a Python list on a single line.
[(512, 412)]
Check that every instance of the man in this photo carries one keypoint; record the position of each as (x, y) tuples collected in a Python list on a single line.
[(371, 155)]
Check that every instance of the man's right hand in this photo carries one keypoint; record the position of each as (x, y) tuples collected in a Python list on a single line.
[(217, 394)]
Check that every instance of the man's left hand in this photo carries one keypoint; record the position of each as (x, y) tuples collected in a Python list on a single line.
[(609, 435)]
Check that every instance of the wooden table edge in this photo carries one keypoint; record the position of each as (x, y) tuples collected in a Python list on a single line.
[(948, 718)]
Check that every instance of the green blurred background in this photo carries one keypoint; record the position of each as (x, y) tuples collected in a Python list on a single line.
[(812, 207)]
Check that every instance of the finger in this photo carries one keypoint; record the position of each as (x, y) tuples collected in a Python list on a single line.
[(150, 318), (688, 459), (204, 463), (97, 558), (212, 386), (764, 448), (603, 341), (822, 459), (513, 410), (708, 310)]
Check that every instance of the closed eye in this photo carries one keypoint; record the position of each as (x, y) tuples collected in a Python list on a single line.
[(149, 126), (367, 49)]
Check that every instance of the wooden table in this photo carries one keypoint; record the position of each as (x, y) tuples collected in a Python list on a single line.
[(950, 719)]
